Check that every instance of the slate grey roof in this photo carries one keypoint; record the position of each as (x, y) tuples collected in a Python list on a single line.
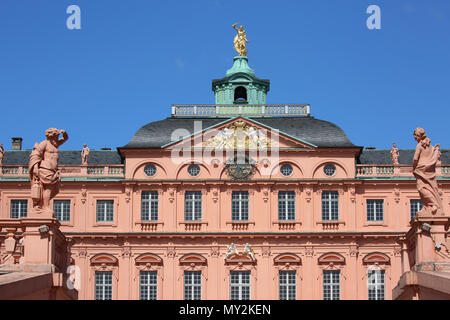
[(405, 156), (321, 133), (67, 157)]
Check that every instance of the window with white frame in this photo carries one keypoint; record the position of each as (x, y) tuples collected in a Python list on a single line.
[(103, 285), (239, 205), (149, 206), (287, 285), (330, 205), (286, 205), (331, 285), (416, 206), (192, 285), (240, 285), (105, 210), (375, 284), (62, 210), (148, 285), (374, 210), (193, 206), (19, 209)]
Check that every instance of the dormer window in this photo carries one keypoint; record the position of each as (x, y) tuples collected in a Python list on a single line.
[(240, 95)]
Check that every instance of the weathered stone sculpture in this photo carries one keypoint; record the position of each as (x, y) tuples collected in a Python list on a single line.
[(2, 153), (84, 155), (43, 169), (394, 154), (424, 169), (438, 150)]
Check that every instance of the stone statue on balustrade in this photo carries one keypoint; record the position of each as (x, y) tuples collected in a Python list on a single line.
[(424, 169), (394, 154), (84, 155), (2, 153), (43, 170)]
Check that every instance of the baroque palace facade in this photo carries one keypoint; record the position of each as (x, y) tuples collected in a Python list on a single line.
[(237, 200)]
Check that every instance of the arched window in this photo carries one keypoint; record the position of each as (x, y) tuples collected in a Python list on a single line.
[(240, 95)]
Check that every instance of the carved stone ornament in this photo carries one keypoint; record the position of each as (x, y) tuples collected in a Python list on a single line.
[(240, 171)]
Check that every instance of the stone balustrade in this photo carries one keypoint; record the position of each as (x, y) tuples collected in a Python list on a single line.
[(268, 110), (67, 171), (379, 171)]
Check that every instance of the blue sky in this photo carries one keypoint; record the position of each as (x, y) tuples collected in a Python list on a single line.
[(132, 59)]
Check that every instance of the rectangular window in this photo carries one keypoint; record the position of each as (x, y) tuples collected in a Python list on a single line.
[(193, 206), (19, 209), (286, 205), (239, 205), (376, 284), (374, 210), (149, 206), (331, 285), (192, 285), (105, 210), (330, 205), (62, 209), (148, 285), (240, 285), (287, 283), (416, 206), (103, 285)]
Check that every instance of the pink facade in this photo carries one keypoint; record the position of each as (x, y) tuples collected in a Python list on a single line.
[(333, 226)]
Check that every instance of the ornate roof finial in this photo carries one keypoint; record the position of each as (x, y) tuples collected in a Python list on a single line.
[(240, 40)]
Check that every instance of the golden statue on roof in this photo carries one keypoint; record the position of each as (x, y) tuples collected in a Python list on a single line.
[(240, 40)]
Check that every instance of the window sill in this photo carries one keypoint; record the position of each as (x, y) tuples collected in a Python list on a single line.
[(193, 225), (330, 224), (375, 224), (240, 225), (105, 224), (287, 224), (150, 225)]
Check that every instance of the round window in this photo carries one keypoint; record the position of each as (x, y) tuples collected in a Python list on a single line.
[(150, 170), (193, 170), (286, 170), (329, 170)]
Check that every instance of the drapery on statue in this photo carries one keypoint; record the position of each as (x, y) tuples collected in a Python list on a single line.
[(43, 168), (424, 169), (2, 153), (84, 155), (394, 154), (240, 40)]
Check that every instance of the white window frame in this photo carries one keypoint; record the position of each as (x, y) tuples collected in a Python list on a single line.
[(240, 202), (151, 287), (23, 208), (371, 205), (149, 198), (332, 284), (240, 285), (103, 285), (418, 204), (190, 286), (283, 197), (379, 284), (290, 294), (61, 203), (104, 212), (190, 202), (328, 216)]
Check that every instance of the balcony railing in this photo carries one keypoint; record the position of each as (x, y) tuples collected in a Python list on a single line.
[(67, 171), (226, 110), (374, 170)]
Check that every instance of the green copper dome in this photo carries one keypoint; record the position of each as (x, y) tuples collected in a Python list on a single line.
[(240, 86)]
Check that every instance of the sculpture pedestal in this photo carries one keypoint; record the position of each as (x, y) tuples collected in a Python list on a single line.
[(428, 243)]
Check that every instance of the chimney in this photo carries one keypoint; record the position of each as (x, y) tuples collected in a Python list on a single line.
[(16, 143)]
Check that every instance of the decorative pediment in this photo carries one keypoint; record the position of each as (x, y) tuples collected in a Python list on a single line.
[(193, 258), (104, 258), (287, 258), (376, 258), (148, 259), (239, 259), (331, 257)]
